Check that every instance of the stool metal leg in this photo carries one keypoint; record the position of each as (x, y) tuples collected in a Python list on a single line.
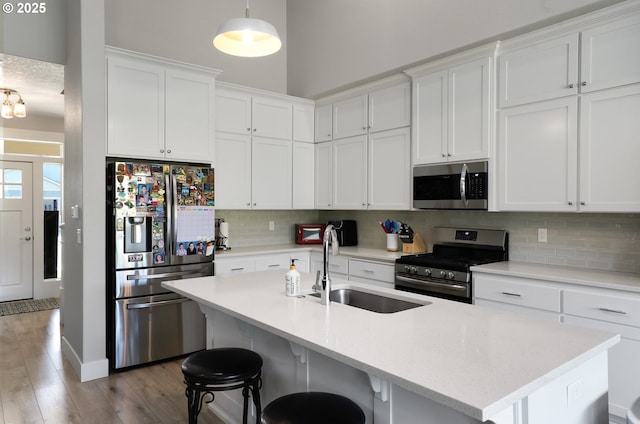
[(195, 397)]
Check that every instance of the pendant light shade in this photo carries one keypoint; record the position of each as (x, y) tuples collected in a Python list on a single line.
[(247, 37)]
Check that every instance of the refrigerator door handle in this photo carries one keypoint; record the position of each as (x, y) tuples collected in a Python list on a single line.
[(172, 275), (153, 304)]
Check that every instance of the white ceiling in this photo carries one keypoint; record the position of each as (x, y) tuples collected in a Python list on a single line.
[(39, 84)]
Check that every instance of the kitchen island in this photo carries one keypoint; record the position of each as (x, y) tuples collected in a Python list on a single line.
[(444, 362)]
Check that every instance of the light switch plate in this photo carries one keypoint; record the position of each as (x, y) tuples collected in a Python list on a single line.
[(542, 235)]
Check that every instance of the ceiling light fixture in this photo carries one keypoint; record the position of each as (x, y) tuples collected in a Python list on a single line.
[(247, 37), (12, 108)]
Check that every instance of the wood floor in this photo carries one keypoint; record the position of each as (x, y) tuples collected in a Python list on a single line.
[(38, 385)]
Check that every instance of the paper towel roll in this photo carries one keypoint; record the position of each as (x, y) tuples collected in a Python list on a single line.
[(223, 232)]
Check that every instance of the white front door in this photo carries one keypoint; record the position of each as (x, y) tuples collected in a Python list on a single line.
[(16, 231)]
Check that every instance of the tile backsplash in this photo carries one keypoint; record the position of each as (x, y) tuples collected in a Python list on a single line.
[(594, 241)]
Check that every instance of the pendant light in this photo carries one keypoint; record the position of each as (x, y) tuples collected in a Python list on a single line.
[(12, 108), (247, 37)]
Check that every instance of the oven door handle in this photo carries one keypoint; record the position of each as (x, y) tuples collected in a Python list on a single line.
[(430, 283), (165, 275), (159, 303), (463, 184)]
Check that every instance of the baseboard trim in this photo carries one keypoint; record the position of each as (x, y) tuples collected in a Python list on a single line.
[(86, 371)]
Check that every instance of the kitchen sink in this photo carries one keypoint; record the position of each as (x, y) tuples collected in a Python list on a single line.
[(369, 301)]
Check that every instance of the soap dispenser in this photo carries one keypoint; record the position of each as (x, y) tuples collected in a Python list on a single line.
[(292, 280)]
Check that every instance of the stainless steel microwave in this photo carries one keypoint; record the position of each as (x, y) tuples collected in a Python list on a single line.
[(451, 186)]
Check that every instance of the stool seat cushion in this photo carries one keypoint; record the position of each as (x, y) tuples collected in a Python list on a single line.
[(313, 408), (221, 366)]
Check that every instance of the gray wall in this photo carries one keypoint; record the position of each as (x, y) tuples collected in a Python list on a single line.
[(335, 43), (184, 30), (38, 36)]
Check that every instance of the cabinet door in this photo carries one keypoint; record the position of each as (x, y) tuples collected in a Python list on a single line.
[(303, 175), (469, 104), (350, 117), (390, 107), (430, 118), (189, 118), (350, 173), (610, 55), (271, 173), (543, 71), (233, 171), (537, 156), (324, 123), (135, 109), (303, 122), (233, 111), (272, 118), (609, 150), (323, 170), (390, 170)]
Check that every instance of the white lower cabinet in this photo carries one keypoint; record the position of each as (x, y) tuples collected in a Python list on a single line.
[(375, 273), (614, 311), (231, 266), (257, 262)]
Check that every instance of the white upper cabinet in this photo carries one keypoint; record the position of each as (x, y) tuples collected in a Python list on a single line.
[(272, 117), (303, 175), (233, 111), (390, 170), (610, 54), (390, 107), (233, 171), (545, 70), (350, 173), (350, 117), (303, 122), (324, 123), (452, 108), (323, 175), (146, 113), (609, 150), (271, 173), (537, 156), (546, 66)]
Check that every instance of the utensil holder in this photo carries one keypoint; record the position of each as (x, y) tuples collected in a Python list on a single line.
[(392, 243)]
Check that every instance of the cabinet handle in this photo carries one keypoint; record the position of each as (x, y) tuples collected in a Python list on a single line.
[(512, 294), (237, 269), (584, 83), (273, 266), (368, 271), (613, 311), (571, 85)]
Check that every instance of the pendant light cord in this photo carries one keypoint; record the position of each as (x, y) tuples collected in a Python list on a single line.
[(246, 12)]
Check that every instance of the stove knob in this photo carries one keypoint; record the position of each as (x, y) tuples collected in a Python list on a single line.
[(443, 274), (451, 275), (414, 270), (427, 272), (407, 268)]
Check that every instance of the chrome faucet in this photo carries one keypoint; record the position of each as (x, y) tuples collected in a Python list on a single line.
[(325, 288)]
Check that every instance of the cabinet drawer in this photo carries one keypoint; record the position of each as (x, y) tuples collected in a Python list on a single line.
[(225, 266), (509, 290), (622, 309), (338, 264), (280, 261), (371, 270)]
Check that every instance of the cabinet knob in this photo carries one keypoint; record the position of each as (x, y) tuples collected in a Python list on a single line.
[(248, 129), (254, 130), (570, 203), (161, 150), (583, 203), (364, 128), (248, 204), (444, 156), (571, 85), (584, 83), (328, 135), (448, 154), (254, 204), (169, 151)]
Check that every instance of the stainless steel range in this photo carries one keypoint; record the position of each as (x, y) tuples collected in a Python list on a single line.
[(445, 272)]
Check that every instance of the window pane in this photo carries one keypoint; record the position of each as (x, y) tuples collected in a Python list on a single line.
[(13, 176), (12, 191)]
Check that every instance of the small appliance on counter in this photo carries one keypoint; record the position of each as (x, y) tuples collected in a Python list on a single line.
[(309, 233), (347, 232)]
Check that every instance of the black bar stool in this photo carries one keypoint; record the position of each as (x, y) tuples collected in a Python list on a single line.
[(222, 369), (313, 408)]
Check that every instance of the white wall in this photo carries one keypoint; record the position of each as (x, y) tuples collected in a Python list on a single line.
[(184, 30), (336, 43)]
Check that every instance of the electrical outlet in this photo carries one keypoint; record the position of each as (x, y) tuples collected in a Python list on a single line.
[(272, 225), (542, 235)]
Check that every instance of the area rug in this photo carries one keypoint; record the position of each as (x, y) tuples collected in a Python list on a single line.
[(31, 305)]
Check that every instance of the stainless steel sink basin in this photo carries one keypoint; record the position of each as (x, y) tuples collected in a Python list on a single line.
[(370, 301)]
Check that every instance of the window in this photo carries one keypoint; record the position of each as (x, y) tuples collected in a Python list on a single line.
[(11, 184)]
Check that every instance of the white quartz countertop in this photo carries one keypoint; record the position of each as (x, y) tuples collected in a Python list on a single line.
[(352, 251), (561, 274), (476, 360)]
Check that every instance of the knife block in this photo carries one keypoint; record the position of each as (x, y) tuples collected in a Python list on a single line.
[(417, 246)]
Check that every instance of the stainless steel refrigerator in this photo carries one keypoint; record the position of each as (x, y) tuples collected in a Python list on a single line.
[(160, 226)]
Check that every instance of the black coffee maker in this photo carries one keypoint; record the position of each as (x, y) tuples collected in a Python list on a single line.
[(347, 232)]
